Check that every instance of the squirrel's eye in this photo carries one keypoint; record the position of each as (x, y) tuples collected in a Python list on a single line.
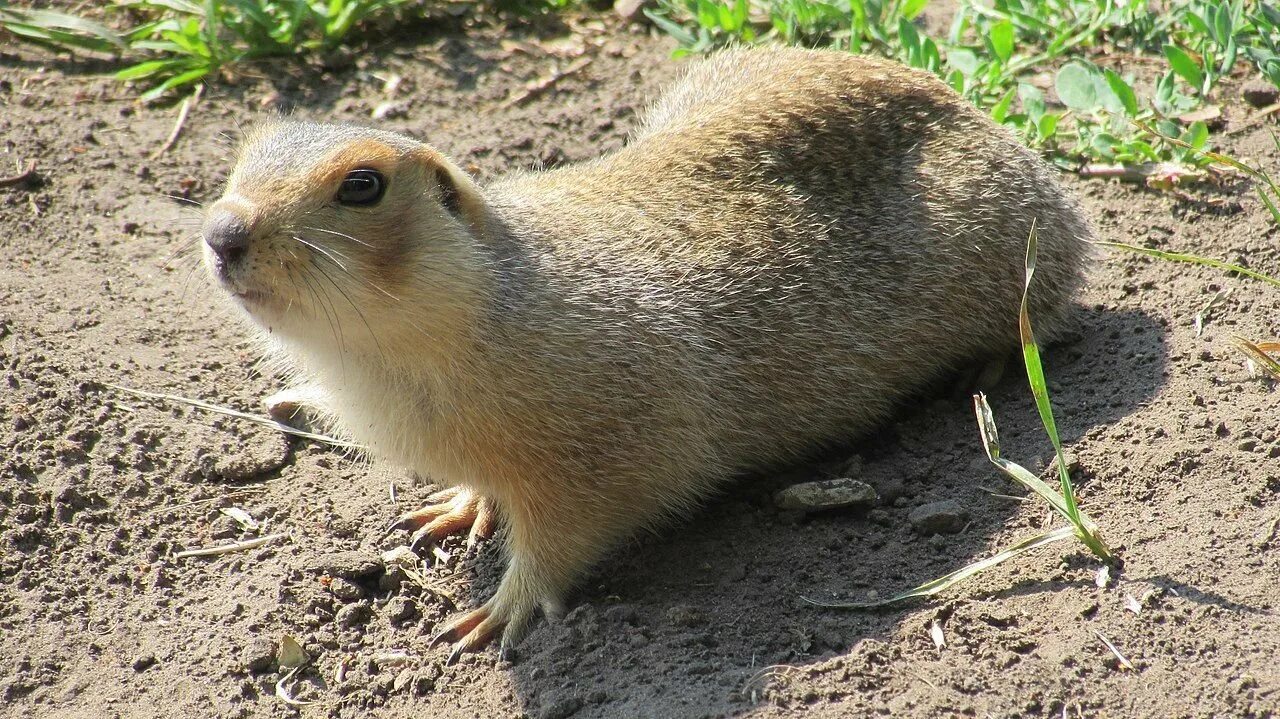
[(361, 187)]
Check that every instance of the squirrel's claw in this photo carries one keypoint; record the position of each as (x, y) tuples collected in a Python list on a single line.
[(449, 511), (475, 629), (469, 632)]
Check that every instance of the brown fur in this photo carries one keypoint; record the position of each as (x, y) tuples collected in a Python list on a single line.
[(793, 243)]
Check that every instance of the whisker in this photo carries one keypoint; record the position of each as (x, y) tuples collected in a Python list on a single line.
[(180, 198), (339, 234), (354, 306), (370, 283), (324, 252), (186, 245), (318, 298)]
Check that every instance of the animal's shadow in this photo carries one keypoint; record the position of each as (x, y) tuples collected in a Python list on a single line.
[(683, 623)]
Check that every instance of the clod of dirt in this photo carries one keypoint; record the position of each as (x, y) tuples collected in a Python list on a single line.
[(143, 662), (1073, 465), (346, 590), (562, 708), (825, 495), (259, 655), (401, 609), (259, 460), (348, 565), (353, 615), (685, 616), (945, 517), (621, 614), (1260, 93)]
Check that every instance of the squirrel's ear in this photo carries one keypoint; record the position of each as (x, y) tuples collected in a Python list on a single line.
[(455, 190)]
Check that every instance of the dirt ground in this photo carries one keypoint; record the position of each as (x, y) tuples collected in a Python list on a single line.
[(100, 285)]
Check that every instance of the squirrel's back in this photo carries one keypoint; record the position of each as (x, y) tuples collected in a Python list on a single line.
[(804, 237)]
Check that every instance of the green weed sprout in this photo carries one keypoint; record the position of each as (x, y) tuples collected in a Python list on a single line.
[(183, 42), (1062, 500)]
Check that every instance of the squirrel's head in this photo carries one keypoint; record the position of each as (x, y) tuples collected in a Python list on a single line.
[(344, 236)]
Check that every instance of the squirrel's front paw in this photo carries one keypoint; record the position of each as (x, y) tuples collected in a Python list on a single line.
[(450, 511)]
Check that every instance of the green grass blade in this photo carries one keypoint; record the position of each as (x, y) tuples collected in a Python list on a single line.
[(56, 40), (184, 7), (943, 583), (147, 69), (1086, 531), (93, 35), (1270, 204), (1016, 472), (1035, 375), (189, 76), (1194, 260)]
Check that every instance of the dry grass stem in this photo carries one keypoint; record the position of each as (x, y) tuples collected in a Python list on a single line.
[(233, 547)]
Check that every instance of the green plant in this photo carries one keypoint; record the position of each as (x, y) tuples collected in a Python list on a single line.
[(181, 42), (1062, 500), (993, 53)]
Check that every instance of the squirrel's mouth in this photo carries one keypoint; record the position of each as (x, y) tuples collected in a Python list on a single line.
[(252, 300), (251, 297)]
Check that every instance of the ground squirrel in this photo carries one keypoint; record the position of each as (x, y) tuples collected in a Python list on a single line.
[(793, 242)]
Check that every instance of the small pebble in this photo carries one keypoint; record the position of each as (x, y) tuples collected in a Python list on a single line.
[(353, 615), (348, 565), (824, 495), (945, 517), (1260, 93), (346, 590), (143, 662)]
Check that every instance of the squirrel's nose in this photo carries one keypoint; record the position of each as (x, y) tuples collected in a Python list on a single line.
[(227, 234)]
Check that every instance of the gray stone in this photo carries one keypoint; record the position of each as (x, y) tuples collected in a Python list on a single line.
[(945, 517), (353, 615), (348, 565), (401, 609), (346, 590), (827, 494), (259, 655)]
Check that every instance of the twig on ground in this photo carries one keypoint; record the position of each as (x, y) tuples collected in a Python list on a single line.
[(1148, 172), (233, 547), (198, 502), (1255, 119), (256, 419), (187, 104), (28, 174), (540, 86), (1124, 661)]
